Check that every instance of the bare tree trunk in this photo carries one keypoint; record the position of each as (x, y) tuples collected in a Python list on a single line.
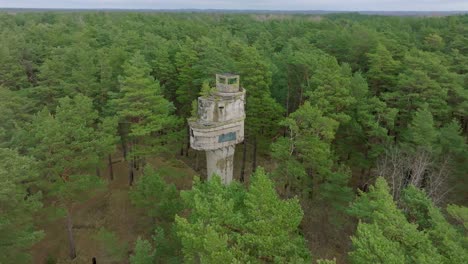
[(130, 172), (464, 122), (287, 98), (109, 165), (71, 240), (131, 165), (244, 158), (300, 95), (287, 104), (124, 148), (254, 158), (98, 172), (136, 162), (136, 158), (419, 169)]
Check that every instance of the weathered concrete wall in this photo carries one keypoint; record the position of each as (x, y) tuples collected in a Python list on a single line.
[(206, 138), (221, 162), (220, 126), (227, 83), (221, 107)]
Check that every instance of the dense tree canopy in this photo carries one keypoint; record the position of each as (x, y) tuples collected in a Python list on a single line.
[(17, 206), (94, 102), (417, 234), (231, 224)]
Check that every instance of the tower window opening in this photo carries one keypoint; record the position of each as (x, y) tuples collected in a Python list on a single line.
[(232, 81)]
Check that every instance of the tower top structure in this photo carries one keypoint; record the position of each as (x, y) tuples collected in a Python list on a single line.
[(227, 83), (219, 125)]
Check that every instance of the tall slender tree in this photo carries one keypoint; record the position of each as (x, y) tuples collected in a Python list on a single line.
[(384, 230), (256, 79), (145, 115), (18, 205), (68, 145)]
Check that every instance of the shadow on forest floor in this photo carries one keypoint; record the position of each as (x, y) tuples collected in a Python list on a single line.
[(111, 209)]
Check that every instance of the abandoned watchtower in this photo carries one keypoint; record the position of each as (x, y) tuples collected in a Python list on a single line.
[(219, 125)]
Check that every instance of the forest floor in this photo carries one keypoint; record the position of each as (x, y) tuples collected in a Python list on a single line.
[(112, 209)]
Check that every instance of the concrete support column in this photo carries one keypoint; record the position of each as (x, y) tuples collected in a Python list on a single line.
[(221, 162)]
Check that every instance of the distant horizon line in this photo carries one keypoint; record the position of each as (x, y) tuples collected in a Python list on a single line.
[(226, 9)]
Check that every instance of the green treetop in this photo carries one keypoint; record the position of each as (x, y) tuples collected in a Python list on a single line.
[(384, 227), (17, 207), (159, 199), (383, 70), (236, 225), (419, 209), (68, 146), (143, 111), (421, 132), (144, 253)]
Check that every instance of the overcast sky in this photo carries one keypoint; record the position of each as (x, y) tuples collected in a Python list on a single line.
[(387, 5)]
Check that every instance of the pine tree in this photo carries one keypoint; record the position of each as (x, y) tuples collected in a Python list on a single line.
[(371, 246), (256, 79), (141, 108), (84, 74), (67, 146), (434, 42), (290, 173), (423, 80), (13, 73), (18, 206), (187, 91), (164, 69), (451, 140), (213, 58), (460, 214), (308, 148), (422, 134), (144, 253), (235, 225), (362, 140), (159, 199), (420, 210), (15, 111), (380, 215), (383, 70), (52, 77), (113, 248), (452, 146), (311, 133), (293, 68), (330, 89)]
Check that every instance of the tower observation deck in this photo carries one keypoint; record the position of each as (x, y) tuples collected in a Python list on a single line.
[(219, 125)]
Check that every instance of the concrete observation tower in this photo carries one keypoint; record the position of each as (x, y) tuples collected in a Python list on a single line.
[(219, 125)]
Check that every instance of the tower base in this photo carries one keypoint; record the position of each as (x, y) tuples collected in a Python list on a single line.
[(221, 162)]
